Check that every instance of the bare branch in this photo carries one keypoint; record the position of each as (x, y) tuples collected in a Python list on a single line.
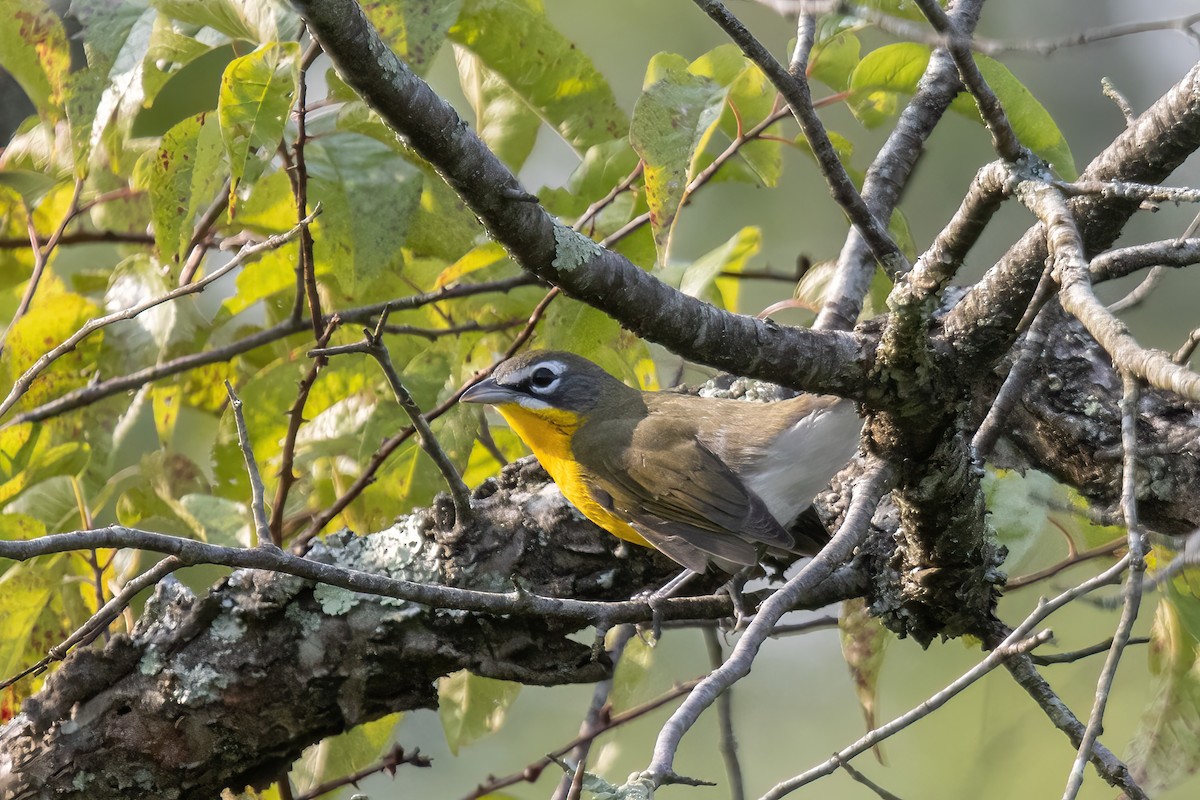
[(873, 484), (1011, 647), (372, 345), (27, 378), (262, 530), (1133, 584)]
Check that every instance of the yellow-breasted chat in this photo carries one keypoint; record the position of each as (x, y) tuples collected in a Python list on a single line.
[(706, 481)]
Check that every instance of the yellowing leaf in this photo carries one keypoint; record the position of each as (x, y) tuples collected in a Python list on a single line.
[(471, 707), (257, 92), (514, 39), (864, 640), (483, 256), (33, 49)]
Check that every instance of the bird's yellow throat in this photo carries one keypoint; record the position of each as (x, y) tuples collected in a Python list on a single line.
[(548, 432)]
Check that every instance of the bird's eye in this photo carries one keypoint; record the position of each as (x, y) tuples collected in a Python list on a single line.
[(542, 378)]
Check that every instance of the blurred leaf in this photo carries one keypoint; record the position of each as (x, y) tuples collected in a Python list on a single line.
[(270, 207), (753, 98), (864, 640), (485, 255), (415, 29), (257, 92), (369, 193), (514, 39), (182, 178), (33, 49), (893, 70), (443, 227), (630, 686), (25, 591), (345, 753), (471, 707), (225, 522), (254, 20), (138, 342), (192, 89), (166, 400), (506, 124), (1166, 746), (20, 528), (698, 278), (833, 61), (31, 185), (672, 122), (53, 317), (84, 88)]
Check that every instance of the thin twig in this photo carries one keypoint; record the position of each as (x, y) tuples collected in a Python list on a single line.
[(883, 794), (395, 757), (1004, 139), (41, 257), (123, 383), (1139, 292), (793, 85), (1072, 656), (598, 713), (287, 476), (534, 770), (191, 551), (728, 740), (306, 269), (99, 621), (26, 379), (373, 346), (262, 530), (936, 701), (1133, 583), (197, 245), (380, 456), (875, 481)]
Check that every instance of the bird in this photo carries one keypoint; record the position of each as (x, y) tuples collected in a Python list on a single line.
[(711, 483)]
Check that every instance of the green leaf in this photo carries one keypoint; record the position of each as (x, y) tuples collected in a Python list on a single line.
[(33, 49), (1029, 118), (506, 124), (25, 590), (414, 29), (833, 61), (182, 177), (894, 70), (51, 320), (672, 121), (84, 89), (190, 90), (514, 39), (471, 707), (345, 753), (257, 92), (225, 522), (489, 254), (257, 21), (699, 278), (369, 193), (881, 76), (32, 186), (630, 684), (1166, 746)]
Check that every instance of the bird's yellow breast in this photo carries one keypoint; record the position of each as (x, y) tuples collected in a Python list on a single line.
[(549, 432)]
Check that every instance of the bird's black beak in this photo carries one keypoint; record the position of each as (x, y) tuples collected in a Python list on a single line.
[(486, 391)]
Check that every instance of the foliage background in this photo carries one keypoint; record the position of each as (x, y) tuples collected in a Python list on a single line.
[(799, 705)]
